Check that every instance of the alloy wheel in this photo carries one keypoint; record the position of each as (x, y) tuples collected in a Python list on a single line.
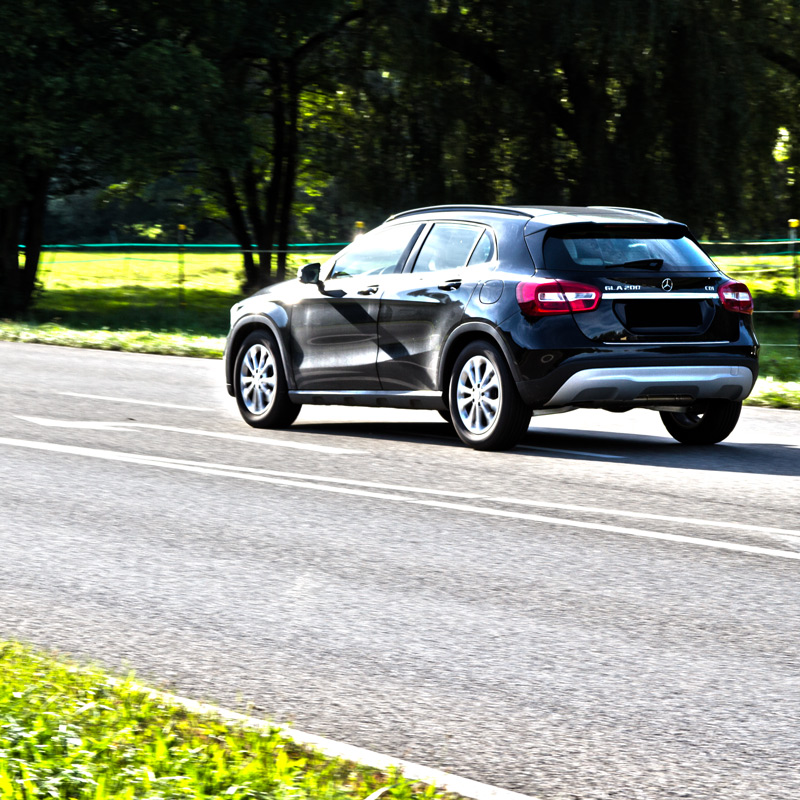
[(478, 395), (258, 378)]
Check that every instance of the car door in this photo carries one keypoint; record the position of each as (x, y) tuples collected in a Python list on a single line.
[(420, 306), (335, 326)]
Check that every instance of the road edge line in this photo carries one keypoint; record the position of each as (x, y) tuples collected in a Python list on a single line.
[(466, 787)]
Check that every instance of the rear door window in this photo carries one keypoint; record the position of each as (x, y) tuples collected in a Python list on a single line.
[(484, 250), (448, 245)]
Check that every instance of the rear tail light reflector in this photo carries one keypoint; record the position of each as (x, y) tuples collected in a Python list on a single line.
[(556, 297), (735, 296)]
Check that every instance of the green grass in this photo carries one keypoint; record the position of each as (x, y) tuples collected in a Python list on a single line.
[(75, 733), (124, 301), (127, 301), (776, 394), (138, 341)]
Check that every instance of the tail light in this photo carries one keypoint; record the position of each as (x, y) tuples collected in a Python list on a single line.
[(735, 296), (556, 297)]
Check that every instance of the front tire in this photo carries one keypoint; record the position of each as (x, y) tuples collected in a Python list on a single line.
[(485, 406), (706, 422), (260, 383)]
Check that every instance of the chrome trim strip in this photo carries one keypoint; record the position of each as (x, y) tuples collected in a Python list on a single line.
[(665, 343), (661, 295)]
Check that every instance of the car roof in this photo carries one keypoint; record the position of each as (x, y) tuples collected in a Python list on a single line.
[(546, 215)]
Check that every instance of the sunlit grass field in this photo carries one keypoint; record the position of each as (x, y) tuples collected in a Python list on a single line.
[(136, 301), (149, 302)]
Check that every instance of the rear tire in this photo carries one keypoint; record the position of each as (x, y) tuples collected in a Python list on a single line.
[(706, 422), (485, 406), (260, 383)]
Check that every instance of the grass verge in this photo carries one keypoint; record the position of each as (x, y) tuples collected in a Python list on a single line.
[(72, 732), (776, 394), (174, 343)]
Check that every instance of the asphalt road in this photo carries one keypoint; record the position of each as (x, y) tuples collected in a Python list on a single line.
[(601, 613)]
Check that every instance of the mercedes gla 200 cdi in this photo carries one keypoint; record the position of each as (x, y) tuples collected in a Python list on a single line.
[(492, 314)]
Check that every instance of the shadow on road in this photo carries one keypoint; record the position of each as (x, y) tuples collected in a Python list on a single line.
[(585, 445)]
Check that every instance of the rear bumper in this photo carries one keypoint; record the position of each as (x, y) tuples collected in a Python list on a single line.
[(656, 379), (653, 385)]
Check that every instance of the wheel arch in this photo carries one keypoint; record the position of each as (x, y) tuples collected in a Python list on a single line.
[(466, 334), (276, 322)]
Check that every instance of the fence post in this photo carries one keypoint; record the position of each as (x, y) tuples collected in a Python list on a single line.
[(794, 224), (181, 249)]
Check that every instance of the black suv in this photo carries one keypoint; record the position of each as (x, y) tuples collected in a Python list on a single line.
[(491, 314)]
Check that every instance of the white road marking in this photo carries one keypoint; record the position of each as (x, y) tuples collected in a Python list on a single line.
[(235, 437), (611, 512), (233, 472), (304, 476), (334, 749), (616, 512), (130, 400)]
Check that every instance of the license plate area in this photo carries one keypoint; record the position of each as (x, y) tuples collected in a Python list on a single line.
[(664, 316)]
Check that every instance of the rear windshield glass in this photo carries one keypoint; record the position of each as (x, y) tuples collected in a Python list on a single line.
[(624, 249)]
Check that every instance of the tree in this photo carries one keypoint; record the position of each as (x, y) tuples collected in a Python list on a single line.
[(84, 88), (662, 105), (35, 111), (264, 68), (674, 105)]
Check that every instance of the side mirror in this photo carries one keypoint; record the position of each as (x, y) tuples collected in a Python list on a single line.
[(309, 273)]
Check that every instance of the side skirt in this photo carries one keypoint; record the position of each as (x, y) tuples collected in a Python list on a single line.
[(433, 401)]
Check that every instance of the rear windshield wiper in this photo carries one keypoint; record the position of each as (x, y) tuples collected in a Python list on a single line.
[(644, 263)]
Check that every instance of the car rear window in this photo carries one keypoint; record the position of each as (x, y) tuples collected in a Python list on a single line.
[(609, 248)]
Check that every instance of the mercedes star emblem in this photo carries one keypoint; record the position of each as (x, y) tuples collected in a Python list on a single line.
[(667, 284)]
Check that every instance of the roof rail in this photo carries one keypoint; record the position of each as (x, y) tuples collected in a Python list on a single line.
[(516, 212), (632, 210)]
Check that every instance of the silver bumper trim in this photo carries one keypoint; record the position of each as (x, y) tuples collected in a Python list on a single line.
[(637, 384)]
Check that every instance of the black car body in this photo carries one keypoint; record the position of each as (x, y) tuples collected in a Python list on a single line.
[(491, 314)]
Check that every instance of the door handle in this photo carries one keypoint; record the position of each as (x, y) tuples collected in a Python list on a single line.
[(448, 286), (368, 290)]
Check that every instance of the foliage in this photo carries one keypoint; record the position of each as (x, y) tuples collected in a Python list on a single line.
[(274, 119), (74, 733), (83, 86)]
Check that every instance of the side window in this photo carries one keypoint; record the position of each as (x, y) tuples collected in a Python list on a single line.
[(484, 250), (376, 252), (448, 245)]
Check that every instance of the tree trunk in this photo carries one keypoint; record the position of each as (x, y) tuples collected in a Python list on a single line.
[(34, 231), (290, 172), (239, 225), (273, 198), (263, 244), (10, 298), (17, 283)]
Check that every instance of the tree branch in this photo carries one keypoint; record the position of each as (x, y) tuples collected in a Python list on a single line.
[(782, 59), (322, 36)]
